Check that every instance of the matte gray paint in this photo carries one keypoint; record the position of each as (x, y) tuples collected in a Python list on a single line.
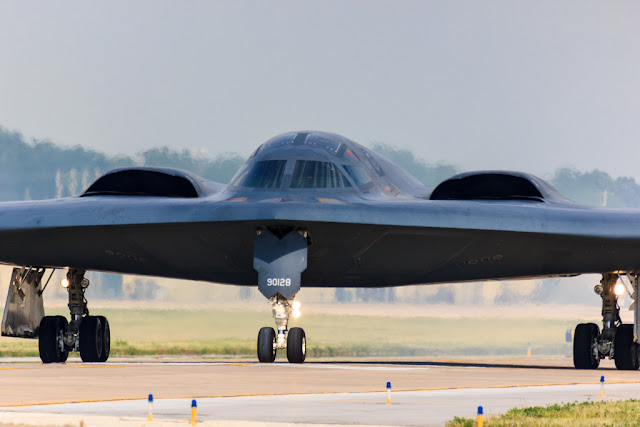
[(280, 259), (362, 237)]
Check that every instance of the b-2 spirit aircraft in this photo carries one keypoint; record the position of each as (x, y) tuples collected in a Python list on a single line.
[(313, 209)]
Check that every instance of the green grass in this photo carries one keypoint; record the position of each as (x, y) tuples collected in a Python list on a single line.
[(623, 413), (215, 332)]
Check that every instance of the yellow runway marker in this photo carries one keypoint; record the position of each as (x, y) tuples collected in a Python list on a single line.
[(388, 393)]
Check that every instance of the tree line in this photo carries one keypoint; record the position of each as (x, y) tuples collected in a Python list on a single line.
[(40, 169)]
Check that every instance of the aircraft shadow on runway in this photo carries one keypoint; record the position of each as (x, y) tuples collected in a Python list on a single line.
[(460, 364)]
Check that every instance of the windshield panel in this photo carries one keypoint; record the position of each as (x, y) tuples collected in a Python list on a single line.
[(358, 174), (264, 174), (314, 174)]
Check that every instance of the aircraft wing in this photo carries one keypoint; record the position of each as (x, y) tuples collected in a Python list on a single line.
[(367, 222), (352, 241)]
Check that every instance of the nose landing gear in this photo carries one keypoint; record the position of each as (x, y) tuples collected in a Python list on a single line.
[(294, 340), (280, 257)]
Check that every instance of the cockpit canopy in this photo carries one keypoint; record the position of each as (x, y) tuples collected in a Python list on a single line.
[(306, 174), (315, 174), (261, 174), (304, 161), (320, 160)]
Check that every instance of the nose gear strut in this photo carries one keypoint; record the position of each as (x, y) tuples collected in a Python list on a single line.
[(281, 310)]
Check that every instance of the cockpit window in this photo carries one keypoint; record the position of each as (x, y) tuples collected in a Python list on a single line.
[(357, 174), (314, 174), (264, 174)]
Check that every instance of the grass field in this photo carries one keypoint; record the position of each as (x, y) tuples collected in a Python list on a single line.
[(233, 333), (625, 413)]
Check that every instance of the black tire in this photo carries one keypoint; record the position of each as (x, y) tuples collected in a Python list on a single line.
[(91, 339), (106, 339), (50, 330), (296, 345), (266, 345), (625, 350), (583, 357)]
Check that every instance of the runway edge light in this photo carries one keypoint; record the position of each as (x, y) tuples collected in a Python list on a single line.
[(602, 386), (480, 416), (388, 393), (151, 407), (194, 405)]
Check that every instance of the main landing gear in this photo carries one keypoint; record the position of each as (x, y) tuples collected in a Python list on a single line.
[(90, 335), (294, 340), (617, 341)]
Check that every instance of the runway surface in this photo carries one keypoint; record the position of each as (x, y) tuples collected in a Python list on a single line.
[(424, 392)]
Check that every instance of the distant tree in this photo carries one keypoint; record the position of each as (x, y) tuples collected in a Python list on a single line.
[(220, 169), (428, 174), (106, 286), (375, 295), (31, 168), (596, 187), (445, 295), (245, 293), (223, 168), (342, 295)]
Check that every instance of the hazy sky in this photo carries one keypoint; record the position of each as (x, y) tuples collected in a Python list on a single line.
[(483, 84)]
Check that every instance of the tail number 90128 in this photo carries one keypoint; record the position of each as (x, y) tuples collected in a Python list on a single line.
[(279, 282)]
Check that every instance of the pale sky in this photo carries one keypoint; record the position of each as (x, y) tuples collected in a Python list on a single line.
[(525, 85)]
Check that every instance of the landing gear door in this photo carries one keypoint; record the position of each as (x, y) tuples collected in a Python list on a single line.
[(280, 263), (24, 308)]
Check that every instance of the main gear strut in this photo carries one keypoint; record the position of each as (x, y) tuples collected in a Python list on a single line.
[(617, 341), (90, 335)]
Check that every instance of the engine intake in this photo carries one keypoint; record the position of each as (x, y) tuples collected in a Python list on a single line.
[(157, 182), (496, 185)]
